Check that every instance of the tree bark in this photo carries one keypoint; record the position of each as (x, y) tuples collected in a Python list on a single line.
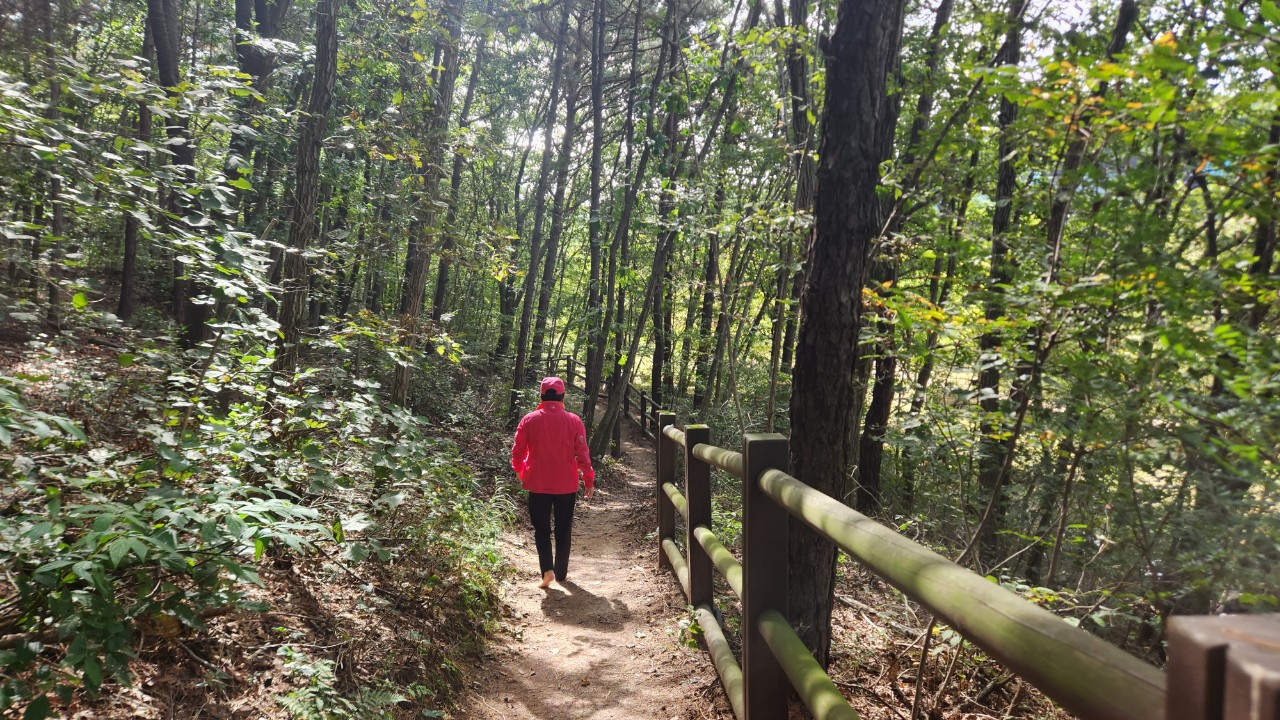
[(858, 119), (596, 320), (306, 181), (871, 442), (519, 372), (129, 265), (552, 251), (419, 255), (455, 189), (620, 369), (991, 457)]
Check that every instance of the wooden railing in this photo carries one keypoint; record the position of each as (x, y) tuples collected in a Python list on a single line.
[(1219, 668), (646, 408)]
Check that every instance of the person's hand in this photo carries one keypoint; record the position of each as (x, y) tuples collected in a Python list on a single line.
[(586, 494)]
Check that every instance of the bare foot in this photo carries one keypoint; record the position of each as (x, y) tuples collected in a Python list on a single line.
[(547, 578)]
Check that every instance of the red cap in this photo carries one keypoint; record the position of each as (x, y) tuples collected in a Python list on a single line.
[(553, 384)]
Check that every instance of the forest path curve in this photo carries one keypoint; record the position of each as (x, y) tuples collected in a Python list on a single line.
[(606, 644)]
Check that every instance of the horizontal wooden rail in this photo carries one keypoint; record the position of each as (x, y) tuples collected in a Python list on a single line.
[(814, 687), (677, 500), (1081, 672), (727, 460), (722, 658), (677, 563), (720, 556), (676, 436)]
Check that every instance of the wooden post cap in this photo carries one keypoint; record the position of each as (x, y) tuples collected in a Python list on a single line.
[(1224, 668)]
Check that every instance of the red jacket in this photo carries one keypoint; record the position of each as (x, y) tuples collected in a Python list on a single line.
[(550, 449)]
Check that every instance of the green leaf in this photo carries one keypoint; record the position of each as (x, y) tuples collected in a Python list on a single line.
[(126, 359), (117, 551), (80, 301), (92, 672), (356, 553), (1270, 11), (38, 709), (240, 183)]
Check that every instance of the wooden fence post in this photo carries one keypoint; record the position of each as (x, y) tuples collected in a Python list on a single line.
[(666, 474), (764, 575), (616, 448), (697, 492), (644, 414), (1223, 668)]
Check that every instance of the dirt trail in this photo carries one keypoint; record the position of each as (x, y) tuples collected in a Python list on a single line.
[(606, 643)]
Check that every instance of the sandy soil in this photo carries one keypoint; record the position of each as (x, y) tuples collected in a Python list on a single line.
[(606, 643)]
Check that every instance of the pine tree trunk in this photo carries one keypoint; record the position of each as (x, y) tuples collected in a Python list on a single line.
[(519, 371), (619, 371), (306, 183), (418, 260), (129, 265), (552, 251), (455, 190), (991, 446), (597, 319), (859, 117)]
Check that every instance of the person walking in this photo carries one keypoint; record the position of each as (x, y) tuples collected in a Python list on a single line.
[(549, 451)]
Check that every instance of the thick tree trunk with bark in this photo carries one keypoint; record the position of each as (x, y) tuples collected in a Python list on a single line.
[(306, 182), (858, 119)]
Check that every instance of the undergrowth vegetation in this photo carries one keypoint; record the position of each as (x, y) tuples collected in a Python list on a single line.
[(151, 487)]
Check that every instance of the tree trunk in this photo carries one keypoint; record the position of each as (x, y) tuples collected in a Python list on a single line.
[(859, 117), (518, 375), (552, 251), (596, 321), (57, 228), (619, 379), (129, 265), (710, 280), (418, 262), (306, 182), (991, 446), (871, 443), (254, 20), (455, 189)]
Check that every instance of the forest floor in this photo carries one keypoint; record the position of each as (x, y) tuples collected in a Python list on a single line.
[(610, 642)]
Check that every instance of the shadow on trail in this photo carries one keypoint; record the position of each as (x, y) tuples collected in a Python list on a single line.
[(539, 689), (575, 605)]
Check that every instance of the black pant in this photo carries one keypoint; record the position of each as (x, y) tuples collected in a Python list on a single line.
[(541, 507)]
